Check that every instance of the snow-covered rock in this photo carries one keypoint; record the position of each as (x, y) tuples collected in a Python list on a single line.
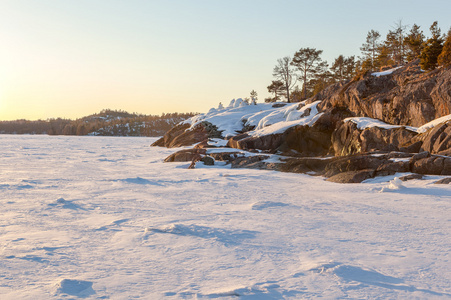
[(365, 122), (265, 118), (386, 72)]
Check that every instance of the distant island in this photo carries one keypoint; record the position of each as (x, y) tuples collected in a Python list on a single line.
[(105, 123)]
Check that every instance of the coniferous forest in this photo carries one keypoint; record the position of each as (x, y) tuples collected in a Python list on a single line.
[(305, 73), (106, 123)]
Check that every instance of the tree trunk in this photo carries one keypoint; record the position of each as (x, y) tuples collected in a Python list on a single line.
[(288, 93), (304, 94)]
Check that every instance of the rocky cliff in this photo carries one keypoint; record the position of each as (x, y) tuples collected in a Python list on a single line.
[(406, 96), (403, 111)]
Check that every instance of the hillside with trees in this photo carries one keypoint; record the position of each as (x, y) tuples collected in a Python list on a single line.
[(106, 123), (386, 112), (400, 47)]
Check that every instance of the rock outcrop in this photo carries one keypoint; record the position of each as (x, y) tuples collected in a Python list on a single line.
[(331, 142), (186, 155), (437, 140), (183, 135), (245, 141), (408, 96), (348, 139)]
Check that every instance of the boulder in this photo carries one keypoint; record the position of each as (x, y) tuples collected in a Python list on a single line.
[(391, 167), (183, 135), (175, 131), (438, 139), (354, 163), (432, 165), (233, 141), (208, 160), (279, 105), (348, 139), (425, 163), (226, 156), (254, 162), (411, 177), (446, 180), (246, 142), (188, 137), (185, 155), (353, 176), (310, 165)]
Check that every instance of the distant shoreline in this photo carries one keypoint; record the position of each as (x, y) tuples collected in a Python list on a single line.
[(106, 123)]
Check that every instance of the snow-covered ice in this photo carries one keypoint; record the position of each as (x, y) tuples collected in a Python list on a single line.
[(105, 218)]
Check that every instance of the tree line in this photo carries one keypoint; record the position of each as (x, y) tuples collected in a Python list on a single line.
[(399, 47), (106, 123)]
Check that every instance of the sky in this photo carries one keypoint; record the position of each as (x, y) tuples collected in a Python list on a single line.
[(73, 58)]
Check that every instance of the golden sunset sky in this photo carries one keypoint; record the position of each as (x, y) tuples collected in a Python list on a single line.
[(73, 58)]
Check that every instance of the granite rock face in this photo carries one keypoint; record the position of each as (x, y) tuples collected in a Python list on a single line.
[(348, 139), (438, 139), (407, 97)]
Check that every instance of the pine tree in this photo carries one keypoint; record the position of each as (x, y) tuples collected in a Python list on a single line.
[(371, 47), (384, 58), (338, 68), (254, 97), (432, 49), (320, 81), (309, 63), (277, 88), (444, 59), (414, 42), (343, 68), (395, 45)]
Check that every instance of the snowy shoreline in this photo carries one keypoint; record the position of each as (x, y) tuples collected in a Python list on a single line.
[(104, 217)]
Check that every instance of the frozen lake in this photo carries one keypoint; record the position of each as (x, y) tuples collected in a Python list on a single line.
[(105, 218)]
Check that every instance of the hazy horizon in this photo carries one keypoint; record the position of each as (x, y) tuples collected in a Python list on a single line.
[(72, 59)]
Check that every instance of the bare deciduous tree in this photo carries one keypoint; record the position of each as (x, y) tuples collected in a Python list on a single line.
[(285, 73)]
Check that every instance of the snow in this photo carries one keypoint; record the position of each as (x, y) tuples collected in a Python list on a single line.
[(263, 116), (365, 122), (266, 119), (433, 123), (230, 120), (386, 72), (105, 218), (394, 184), (217, 142)]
